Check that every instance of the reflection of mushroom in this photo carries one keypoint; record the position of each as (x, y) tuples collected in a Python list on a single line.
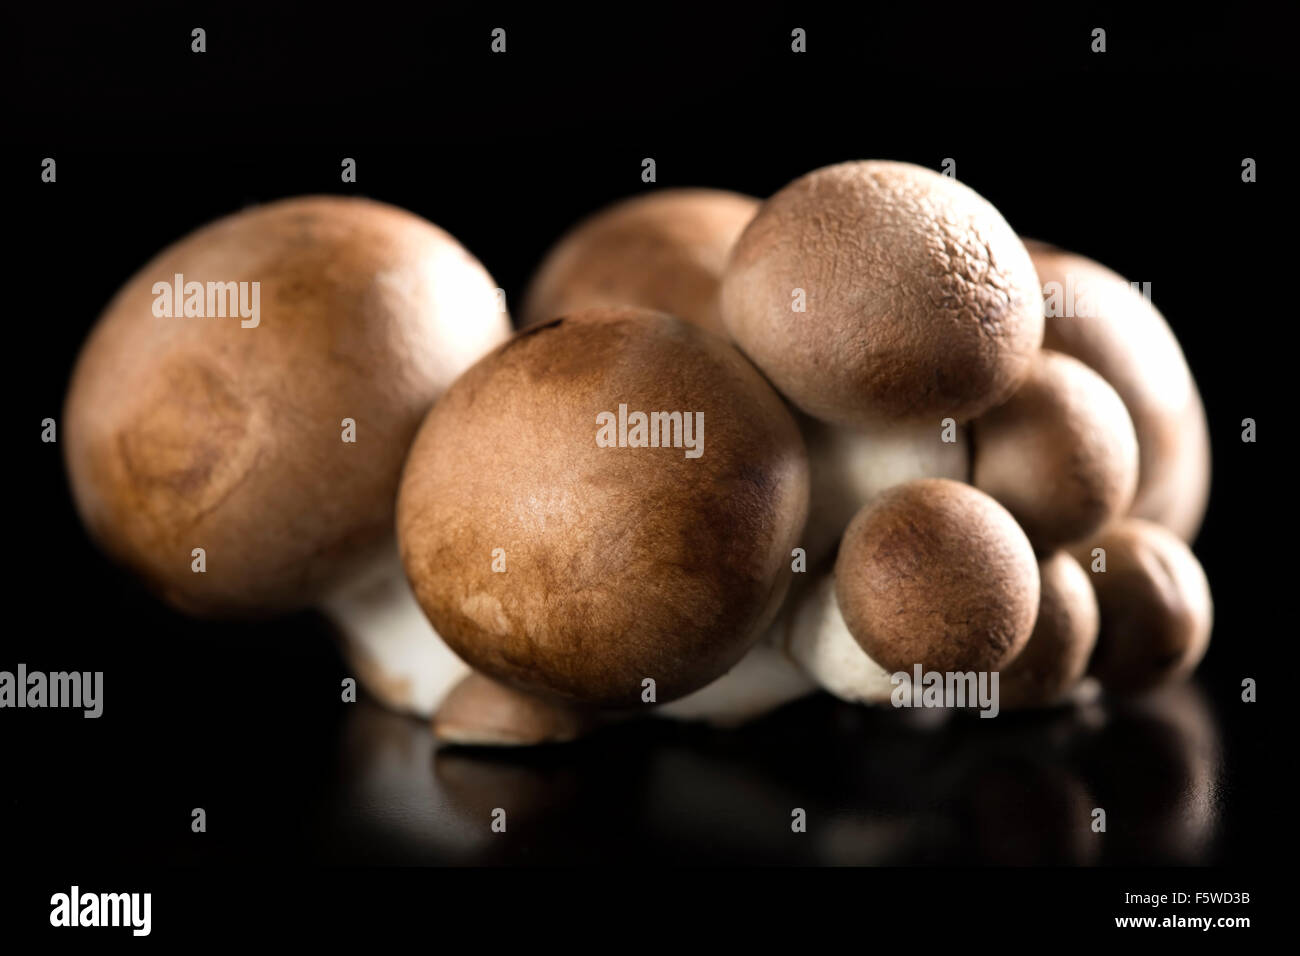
[(564, 564), (1156, 610), (664, 251), (936, 573), (880, 291), (1065, 631), (191, 431), (1100, 319), (1060, 454)]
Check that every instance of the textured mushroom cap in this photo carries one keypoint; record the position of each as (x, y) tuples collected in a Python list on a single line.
[(1064, 634), (921, 302), (622, 563), (1156, 610), (479, 712), (851, 466), (664, 251), (193, 432), (1060, 454), (937, 573), (1117, 332)]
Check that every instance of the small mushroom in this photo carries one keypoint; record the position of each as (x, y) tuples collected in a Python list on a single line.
[(1060, 454), (1051, 665), (815, 636), (480, 712), (1156, 609), (664, 251), (884, 292), (556, 549), (226, 432), (1100, 319), (849, 467), (937, 573)]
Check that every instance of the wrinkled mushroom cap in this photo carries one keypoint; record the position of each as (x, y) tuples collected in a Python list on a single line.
[(937, 573), (195, 432), (622, 563), (921, 302), (665, 251)]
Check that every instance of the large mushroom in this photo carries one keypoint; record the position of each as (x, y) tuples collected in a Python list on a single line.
[(602, 506), (191, 425)]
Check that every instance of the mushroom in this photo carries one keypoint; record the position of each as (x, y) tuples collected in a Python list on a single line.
[(565, 545), (849, 467), (1060, 454), (936, 573), (1065, 632), (226, 432), (884, 292), (664, 251), (1156, 609), (480, 712), (815, 635), (1100, 319)]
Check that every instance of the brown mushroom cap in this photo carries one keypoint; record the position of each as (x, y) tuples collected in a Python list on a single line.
[(1117, 332), (1064, 634), (664, 251), (479, 712), (622, 563), (937, 573), (1060, 454), (1156, 610), (196, 432), (920, 300)]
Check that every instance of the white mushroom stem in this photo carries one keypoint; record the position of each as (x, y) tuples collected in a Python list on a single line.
[(763, 680), (817, 638), (389, 644)]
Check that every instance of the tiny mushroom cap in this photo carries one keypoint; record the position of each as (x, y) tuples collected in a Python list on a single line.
[(882, 291), (1060, 454), (263, 414), (851, 466), (1156, 609), (572, 527), (936, 573), (664, 251), (1056, 657), (1102, 320), (189, 431), (479, 712)]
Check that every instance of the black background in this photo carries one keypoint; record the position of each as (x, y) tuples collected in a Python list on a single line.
[(1132, 157)]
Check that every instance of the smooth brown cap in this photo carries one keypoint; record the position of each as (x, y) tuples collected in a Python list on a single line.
[(921, 302), (479, 712), (1060, 454), (196, 432), (1156, 609), (1100, 319), (622, 563), (1064, 634), (937, 573), (664, 251)]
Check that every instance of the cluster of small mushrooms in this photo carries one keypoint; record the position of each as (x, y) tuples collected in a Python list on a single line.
[(907, 455)]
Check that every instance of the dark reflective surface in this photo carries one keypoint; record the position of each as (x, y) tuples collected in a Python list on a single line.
[(878, 787)]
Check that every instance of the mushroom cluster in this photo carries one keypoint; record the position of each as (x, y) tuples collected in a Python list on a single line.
[(846, 438)]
